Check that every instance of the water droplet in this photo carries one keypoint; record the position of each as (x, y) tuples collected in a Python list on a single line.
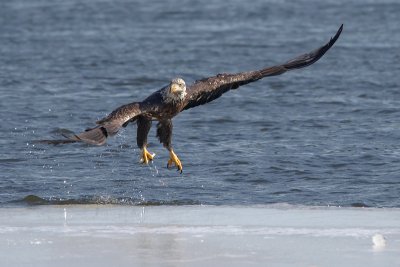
[(65, 216)]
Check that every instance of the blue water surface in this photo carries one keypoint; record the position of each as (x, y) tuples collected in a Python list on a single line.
[(324, 135)]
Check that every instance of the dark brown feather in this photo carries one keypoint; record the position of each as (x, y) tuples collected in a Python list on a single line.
[(54, 142), (208, 89), (164, 133), (143, 128), (122, 114), (107, 127)]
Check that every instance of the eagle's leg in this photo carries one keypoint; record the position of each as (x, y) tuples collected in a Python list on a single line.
[(174, 160), (164, 133), (144, 125), (146, 156)]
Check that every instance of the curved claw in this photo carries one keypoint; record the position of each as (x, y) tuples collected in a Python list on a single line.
[(146, 156), (174, 160)]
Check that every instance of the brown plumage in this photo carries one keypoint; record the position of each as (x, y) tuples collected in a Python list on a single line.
[(170, 100)]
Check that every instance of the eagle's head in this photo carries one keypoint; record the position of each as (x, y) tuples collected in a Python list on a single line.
[(176, 91)]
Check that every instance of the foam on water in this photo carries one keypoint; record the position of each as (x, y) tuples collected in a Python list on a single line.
[(33, 200)]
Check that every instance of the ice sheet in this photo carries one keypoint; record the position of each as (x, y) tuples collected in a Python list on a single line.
[(198, 236)]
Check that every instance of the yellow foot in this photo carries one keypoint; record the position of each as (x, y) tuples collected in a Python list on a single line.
[(174, 160), (146, 156)]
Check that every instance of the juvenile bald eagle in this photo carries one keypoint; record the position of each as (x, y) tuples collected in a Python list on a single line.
[(170, 100)]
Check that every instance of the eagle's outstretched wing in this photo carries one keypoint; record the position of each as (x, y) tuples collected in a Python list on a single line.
[(107, 126), (208, 89)]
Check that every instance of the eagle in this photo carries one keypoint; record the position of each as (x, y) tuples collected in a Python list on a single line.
[(163, 105)]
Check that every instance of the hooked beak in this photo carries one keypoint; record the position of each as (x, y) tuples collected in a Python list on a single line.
[(175, 88)]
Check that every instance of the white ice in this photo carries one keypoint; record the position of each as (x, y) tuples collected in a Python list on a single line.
[(198, 236)]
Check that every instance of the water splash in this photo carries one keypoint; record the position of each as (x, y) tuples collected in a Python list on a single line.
[(102, 200)]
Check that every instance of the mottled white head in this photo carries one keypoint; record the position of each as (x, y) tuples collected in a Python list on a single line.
[(176, 91)]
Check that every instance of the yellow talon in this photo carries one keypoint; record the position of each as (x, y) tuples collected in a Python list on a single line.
[(174, 160), (146, 156)]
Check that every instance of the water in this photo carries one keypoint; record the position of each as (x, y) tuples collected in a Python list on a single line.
[(325, 135)]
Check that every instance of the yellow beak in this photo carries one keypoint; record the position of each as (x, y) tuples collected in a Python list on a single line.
[(175, 88)]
